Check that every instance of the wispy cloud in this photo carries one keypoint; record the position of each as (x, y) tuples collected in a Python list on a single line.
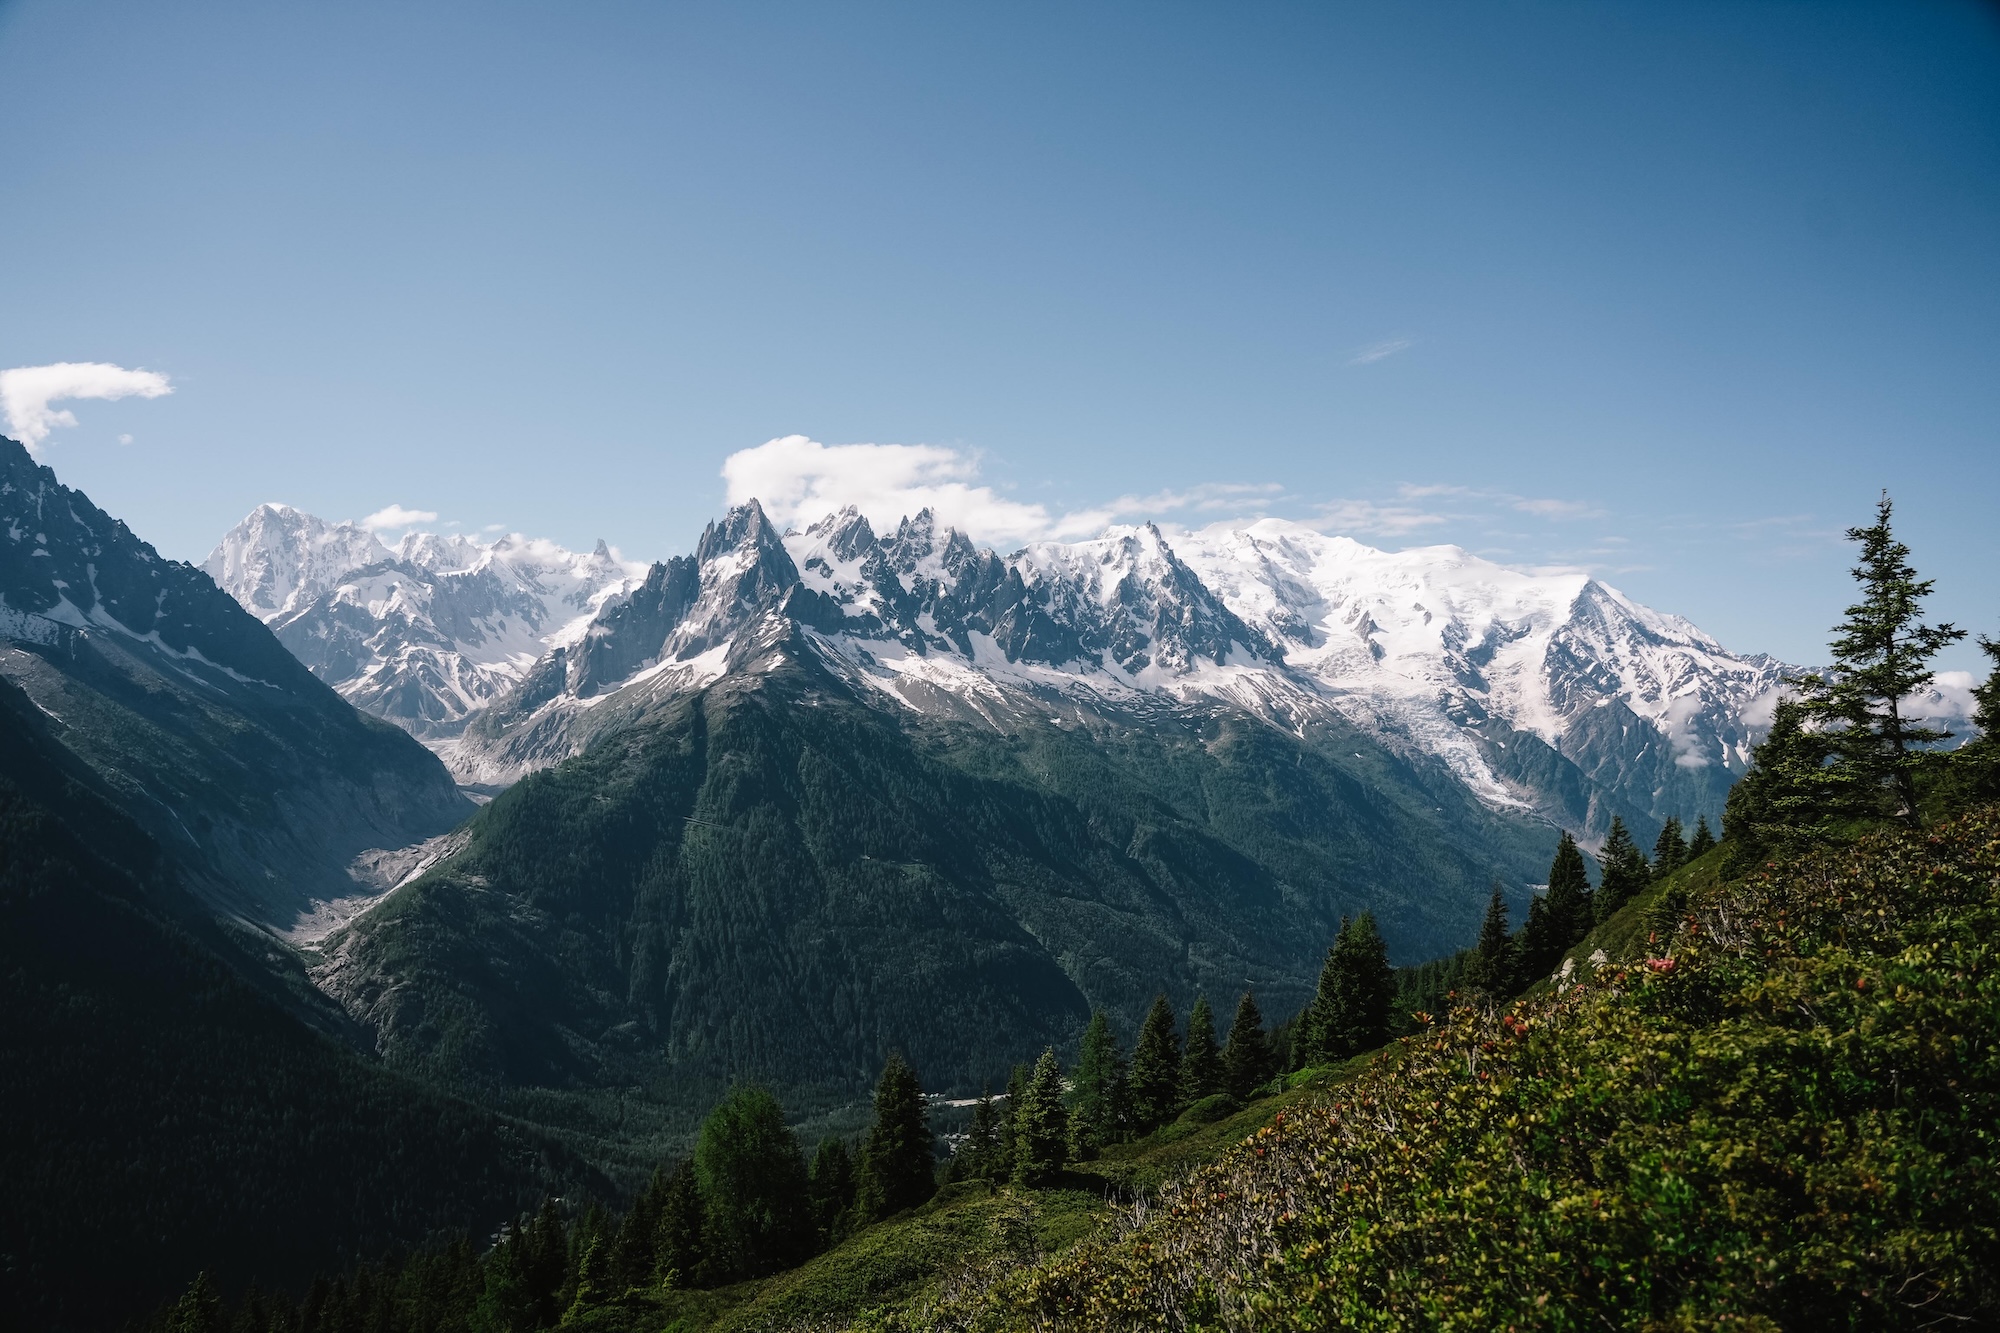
[(1376, 520), (27, 393), (1379, 351), (800, 480), (396, 518), (1214, 497), (1546, 508)]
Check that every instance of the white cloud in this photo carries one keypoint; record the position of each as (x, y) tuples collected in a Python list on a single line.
[(1343, 517), (799, 480), (1373, 352), (395, 518), (1543, 508), (26, 393)]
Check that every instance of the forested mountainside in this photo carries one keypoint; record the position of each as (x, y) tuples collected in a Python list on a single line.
[(773, 878), (168, 1109), (1760, 1093), (258, 779)]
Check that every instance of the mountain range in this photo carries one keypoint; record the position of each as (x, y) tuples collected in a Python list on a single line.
[(1547, 692), (797, 797), (523, 856), (426, 635)]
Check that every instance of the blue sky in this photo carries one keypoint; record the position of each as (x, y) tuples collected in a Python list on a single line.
[(1670, 291)]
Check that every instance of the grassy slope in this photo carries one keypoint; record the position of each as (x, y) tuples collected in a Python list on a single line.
[(1792, 1127), (968, 1232)]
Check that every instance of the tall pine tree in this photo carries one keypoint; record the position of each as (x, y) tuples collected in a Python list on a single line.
[(1703, 841), (1670, 848), (1561, 916), (677, 1246), (1987, 716), (1792, 794), (1098, 1092), (1017, 1087), (1881, 655), (1977, 763), (1041, 1126), (1491, 969), (1350, 1010), (897, 1168), (830, 1186), (1201, 1060), (1246, 1055), (1622, 872), (983, 1153), (1156, 1069)]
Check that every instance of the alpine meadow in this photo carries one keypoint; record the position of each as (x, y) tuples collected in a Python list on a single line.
[(1374, 702)]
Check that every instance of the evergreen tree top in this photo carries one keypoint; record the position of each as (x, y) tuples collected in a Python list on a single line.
[(1670, 848), (1703, 841), (1883, 648), (1567, 872), (1881, 654), (1987, 716)]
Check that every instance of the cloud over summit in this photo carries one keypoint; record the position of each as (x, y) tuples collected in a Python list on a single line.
[(27, 392)]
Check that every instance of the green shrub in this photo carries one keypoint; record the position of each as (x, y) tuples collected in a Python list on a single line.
[(1211, 1109)]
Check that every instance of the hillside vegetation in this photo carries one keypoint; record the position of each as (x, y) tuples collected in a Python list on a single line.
[(1780, 1115)]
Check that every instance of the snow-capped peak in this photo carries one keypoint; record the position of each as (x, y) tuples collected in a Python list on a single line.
[(427, 634), (279, 558)]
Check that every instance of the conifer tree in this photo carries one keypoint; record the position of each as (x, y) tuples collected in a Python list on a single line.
[(1703, 841), (755, 1219), (1881, 655), (199, 1309), (1987, 715), (898, 1168), (1017, 1087), (632, 1258), (982, 1156), (1041, 1126), (1622, 872), (1246, 1055), (1350, 1011), (1098, 1092), (677, 1247), (1491, 968), (1570, 898), (1560, 916), (1670, 848), (1201, 1059), (546, 1263), (831, 1187), (593, 1278), (1977, 764), (1156, 1068), (505, 1299), (1792, 794)]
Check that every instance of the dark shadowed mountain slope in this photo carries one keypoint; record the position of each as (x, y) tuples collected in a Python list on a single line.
[(205, 730), (164, 1112)]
